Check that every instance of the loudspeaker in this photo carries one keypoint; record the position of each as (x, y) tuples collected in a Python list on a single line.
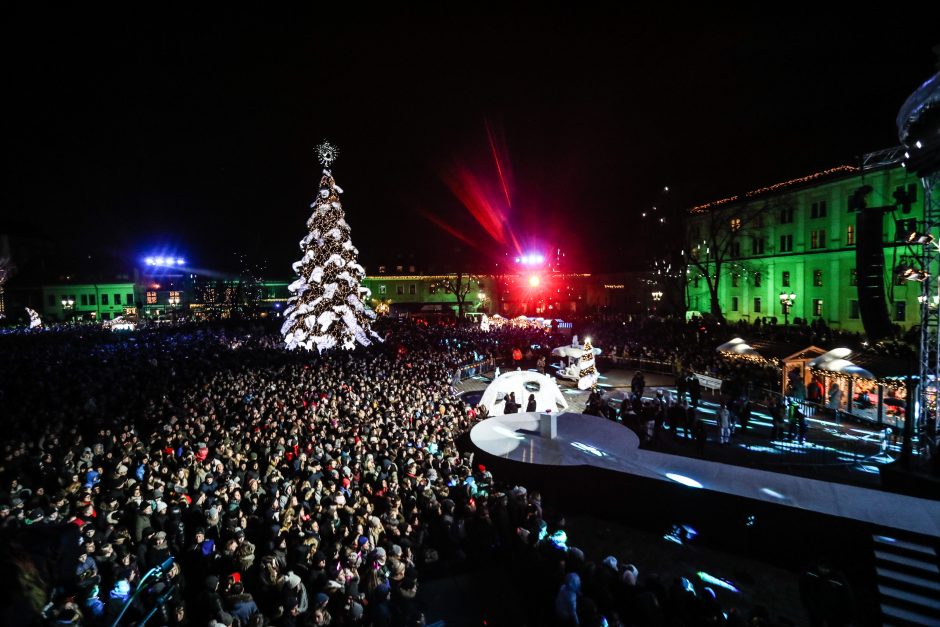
[(870, 268)]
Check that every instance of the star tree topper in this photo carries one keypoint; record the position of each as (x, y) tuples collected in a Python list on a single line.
[(327, 153)]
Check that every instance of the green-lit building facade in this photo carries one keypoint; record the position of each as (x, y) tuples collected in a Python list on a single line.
[(88, 301), (798, 238)]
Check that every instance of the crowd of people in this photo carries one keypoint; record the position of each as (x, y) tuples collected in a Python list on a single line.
[(204, 473)]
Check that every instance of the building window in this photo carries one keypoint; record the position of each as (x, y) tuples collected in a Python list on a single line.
[(381, 269), (817, 278), (900, 311), (117, 299), (411, 269), (818, 209), (757, 305), (853, 309), (412, 289), (84, 298), (735, 250), (786, 243), (92, 299), (735, 280), (399, 268), (817, 307), (104, 299), (757, 246), (129, 299), (735, 224), (400, 290), (757, 279), (817, 238), (853, 276), (151, 298), (382, 290), (785, 279), (786, 215), (50, 300), (734, 303), (850, 235), (696, 279)]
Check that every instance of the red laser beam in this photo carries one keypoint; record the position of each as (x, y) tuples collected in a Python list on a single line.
[(471, 192), (499, 167), (447, 227)]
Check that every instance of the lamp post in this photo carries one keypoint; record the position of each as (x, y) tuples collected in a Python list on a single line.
[(174, 301), (68, 305), (786, 302)]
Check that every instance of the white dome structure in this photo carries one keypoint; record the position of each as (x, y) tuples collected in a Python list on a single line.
[(548, 396)]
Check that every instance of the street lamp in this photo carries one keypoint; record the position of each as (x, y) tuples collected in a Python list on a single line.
[(657, 295), (786, 302), (174, 301), (68, 304)]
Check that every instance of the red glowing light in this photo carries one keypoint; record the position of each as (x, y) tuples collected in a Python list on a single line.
[(534, 280), (499, 167), (471, 192)]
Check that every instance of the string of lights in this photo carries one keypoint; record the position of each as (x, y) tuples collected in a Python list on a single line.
[(887, 382), (327, 309), (847, 169)]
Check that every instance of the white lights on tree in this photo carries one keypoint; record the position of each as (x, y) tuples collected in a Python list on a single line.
[(326, 309), (35, 322), (588, 378)]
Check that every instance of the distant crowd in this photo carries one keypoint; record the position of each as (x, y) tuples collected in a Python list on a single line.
[(203, 473)]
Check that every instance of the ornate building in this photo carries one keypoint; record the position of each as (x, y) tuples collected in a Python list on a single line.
[(791, 250)]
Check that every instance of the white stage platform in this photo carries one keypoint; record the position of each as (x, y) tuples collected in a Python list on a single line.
[(594, 441)]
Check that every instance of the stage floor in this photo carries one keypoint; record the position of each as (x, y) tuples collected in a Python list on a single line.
[(593, 441)]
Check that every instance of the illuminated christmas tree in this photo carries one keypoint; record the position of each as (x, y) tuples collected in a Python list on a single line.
[(327, 308), (588, 372)]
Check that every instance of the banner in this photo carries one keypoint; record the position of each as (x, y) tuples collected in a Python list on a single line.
[(711, 383)]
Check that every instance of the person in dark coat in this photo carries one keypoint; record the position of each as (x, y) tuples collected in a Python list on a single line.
[(210, 604), (241, 604), (638, 384), (530, 405), (511, 405), (695, 390)]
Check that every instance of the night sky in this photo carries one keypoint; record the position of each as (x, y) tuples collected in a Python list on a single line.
[(194, 135)]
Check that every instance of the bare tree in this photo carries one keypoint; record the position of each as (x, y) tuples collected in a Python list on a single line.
[(717, 236), (459, 285)]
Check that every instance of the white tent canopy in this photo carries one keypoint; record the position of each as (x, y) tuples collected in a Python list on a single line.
[(836, 360), (548, 396), (737, 346)]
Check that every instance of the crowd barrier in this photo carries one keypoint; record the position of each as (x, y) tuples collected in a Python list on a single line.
[(637, 363), (476, 368)]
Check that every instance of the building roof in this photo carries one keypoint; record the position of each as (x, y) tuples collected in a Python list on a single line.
[(811, 179)]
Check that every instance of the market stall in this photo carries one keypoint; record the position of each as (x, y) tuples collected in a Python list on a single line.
[(869, 387)]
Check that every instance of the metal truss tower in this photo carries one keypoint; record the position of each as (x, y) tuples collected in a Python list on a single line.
[(929, 350)]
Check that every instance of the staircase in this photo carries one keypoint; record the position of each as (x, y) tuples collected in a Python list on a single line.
[(908, 578)]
